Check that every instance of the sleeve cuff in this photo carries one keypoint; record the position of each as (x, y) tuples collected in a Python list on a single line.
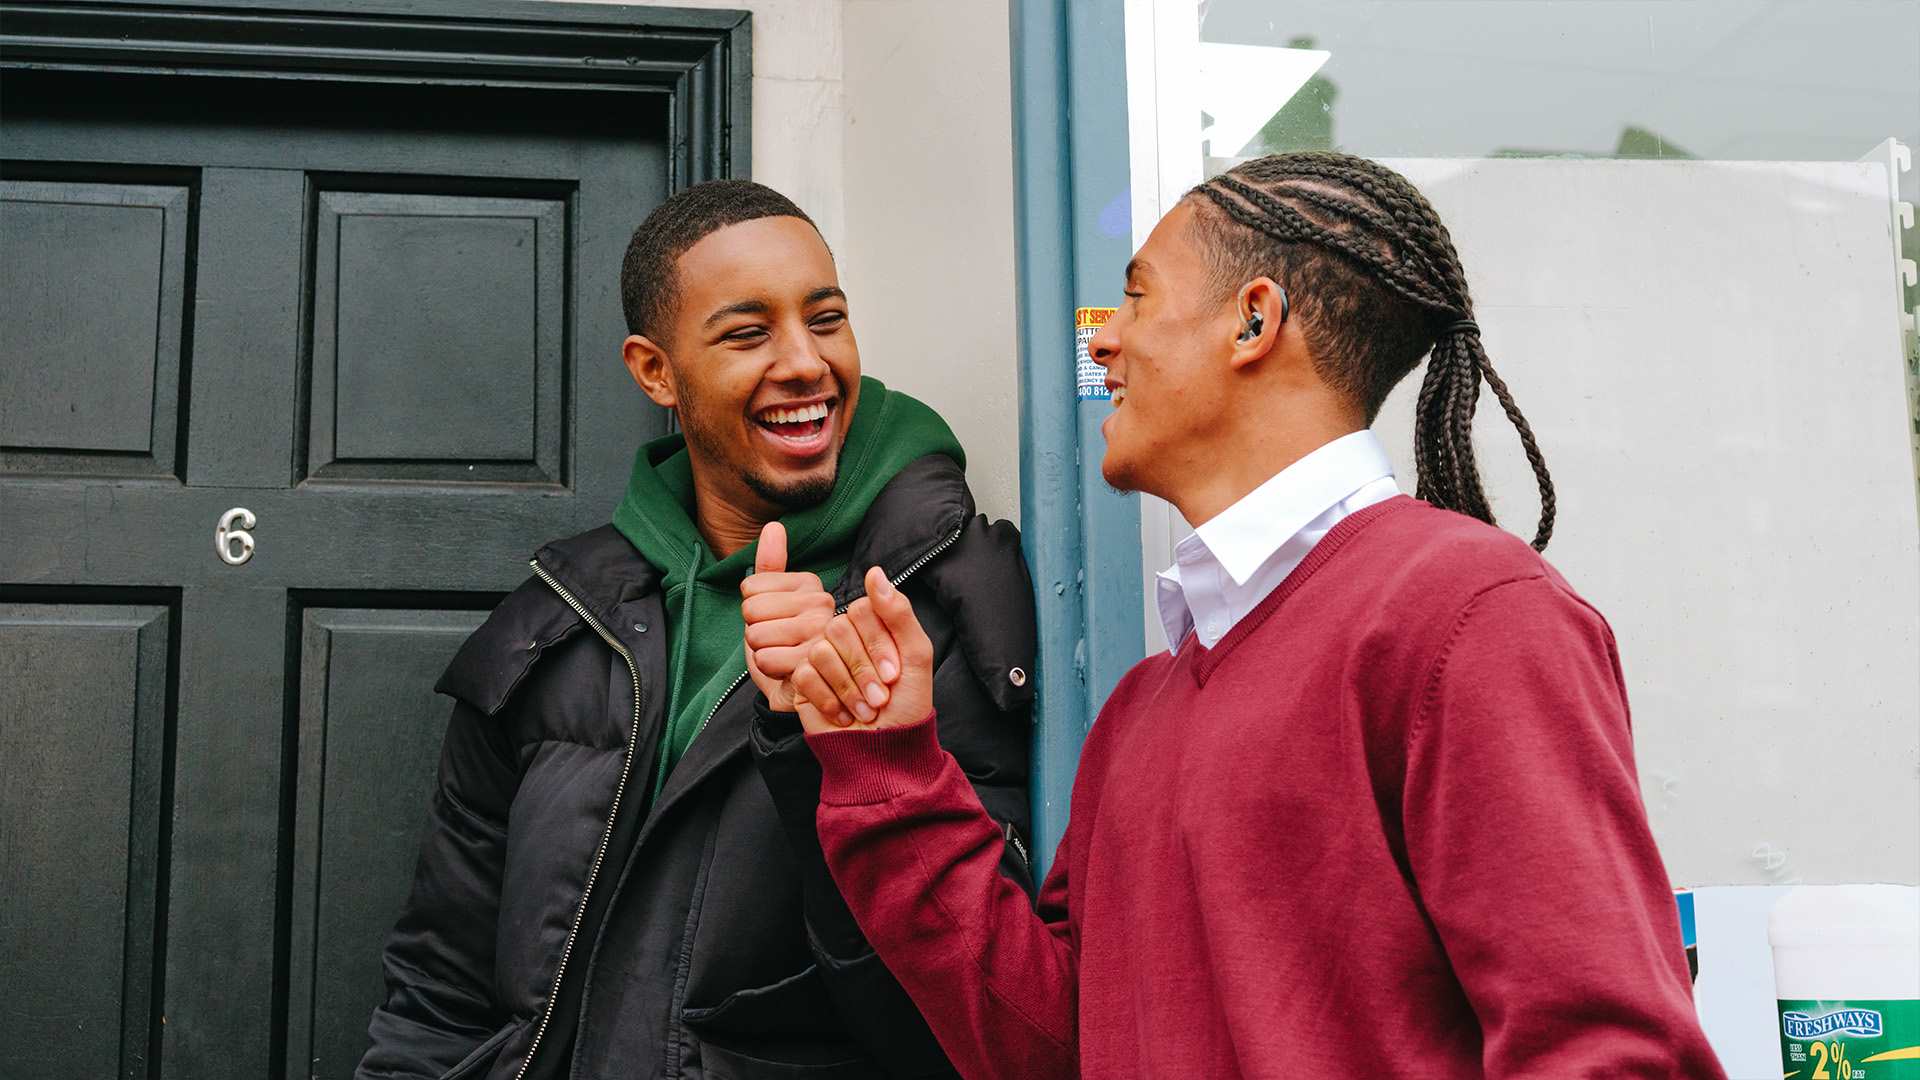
[(773, 728), (862, 767)]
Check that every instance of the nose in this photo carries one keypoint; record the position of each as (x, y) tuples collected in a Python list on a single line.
[(797, 358), (1104, 347)]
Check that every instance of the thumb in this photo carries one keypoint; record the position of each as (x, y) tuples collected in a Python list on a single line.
[(896, 612), (771, 556)]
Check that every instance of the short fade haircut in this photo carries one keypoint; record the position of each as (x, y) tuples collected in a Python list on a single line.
[(649, 286)]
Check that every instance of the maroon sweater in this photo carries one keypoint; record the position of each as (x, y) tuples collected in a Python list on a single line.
[(1388, 827)]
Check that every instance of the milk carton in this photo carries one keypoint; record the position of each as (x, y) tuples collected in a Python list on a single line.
[(1846, 969)]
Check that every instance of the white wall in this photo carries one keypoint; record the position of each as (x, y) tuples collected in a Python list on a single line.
[(1711, 358), (929, 197), (890, 122)]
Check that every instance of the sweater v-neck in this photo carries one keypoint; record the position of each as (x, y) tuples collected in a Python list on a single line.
[(1206, 660)]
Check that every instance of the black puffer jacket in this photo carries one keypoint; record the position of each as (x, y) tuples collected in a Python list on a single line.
[(559, 926)]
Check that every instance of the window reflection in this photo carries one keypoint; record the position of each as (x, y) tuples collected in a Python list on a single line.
[(1714, 79), (1757, 80)]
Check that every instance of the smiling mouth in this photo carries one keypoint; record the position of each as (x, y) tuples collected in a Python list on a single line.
[(800, 427)]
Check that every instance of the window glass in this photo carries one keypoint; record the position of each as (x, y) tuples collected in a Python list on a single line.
[(1711, 79)]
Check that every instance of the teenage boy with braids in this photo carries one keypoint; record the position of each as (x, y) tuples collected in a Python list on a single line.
[(1375, 813)]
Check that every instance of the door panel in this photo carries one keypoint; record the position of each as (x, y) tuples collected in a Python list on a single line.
[(83, 713), (104, 398), (438, 337), (369, 743)]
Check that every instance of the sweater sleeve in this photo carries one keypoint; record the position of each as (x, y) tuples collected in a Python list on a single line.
[(1531, 849), (918, 860)]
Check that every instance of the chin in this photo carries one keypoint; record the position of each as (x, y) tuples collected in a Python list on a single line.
[(1115, 470), (793, 491)]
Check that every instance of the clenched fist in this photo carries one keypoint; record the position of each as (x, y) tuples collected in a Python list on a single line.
[(784, 613)]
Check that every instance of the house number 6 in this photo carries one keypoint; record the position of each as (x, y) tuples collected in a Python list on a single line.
[(234, 545)]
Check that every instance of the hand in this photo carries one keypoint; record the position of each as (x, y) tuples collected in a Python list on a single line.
[(879, 633), (784, 614)]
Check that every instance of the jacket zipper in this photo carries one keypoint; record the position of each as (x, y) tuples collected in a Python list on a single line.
[(606, 836), (660, 777), (933, 553), (722, 700)]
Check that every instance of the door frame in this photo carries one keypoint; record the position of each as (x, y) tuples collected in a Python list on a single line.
[(700, 59), (1073, 237)]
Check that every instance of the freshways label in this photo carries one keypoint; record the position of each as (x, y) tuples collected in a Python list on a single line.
[(1864, 1023), (1850, 1040)]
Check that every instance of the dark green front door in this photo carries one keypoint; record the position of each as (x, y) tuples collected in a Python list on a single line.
[(374, 326)]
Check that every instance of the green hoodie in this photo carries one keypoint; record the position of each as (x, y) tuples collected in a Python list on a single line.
[(706, 655)]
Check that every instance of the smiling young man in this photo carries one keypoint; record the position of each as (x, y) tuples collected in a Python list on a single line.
[(1375, 813), (613, 882)]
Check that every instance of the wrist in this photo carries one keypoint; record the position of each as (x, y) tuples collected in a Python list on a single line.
[(868, 765)]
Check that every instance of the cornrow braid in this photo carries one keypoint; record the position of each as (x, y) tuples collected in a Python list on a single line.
[(1372, 267)]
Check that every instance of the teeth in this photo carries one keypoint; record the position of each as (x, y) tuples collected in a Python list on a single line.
[(1119, 395), (795, 416)]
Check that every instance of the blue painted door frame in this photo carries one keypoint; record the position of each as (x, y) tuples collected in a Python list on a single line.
[(1073, 238)]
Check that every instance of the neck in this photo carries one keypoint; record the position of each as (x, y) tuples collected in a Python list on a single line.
[(728, 520), (1248, 454)]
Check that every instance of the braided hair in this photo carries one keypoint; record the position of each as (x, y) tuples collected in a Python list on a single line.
[(1367, 262)]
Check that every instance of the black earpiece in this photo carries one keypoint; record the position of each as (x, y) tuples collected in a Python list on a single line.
[(1255, 323)]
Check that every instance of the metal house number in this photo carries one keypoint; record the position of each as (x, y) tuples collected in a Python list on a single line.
[(234, 545)]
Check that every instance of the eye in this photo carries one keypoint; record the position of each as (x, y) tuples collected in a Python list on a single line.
[(830, 321), (746, 336), (1133, 295)]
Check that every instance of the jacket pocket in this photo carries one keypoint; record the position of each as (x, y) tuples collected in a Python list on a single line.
[(787, 1029), (475, 1065), (797, 1005), (722, 1063)]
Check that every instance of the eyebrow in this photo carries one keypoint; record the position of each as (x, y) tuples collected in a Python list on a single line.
[(1138, 267), (761, 307), (744, 307)]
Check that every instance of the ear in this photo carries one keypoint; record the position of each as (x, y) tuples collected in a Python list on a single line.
[(647, 362), (1260, 319)]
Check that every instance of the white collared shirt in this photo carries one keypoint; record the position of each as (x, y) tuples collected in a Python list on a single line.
[(1231, 563)]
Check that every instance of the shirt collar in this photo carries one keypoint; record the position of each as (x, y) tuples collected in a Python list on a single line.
[(1246, 534), (1241, 539)]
